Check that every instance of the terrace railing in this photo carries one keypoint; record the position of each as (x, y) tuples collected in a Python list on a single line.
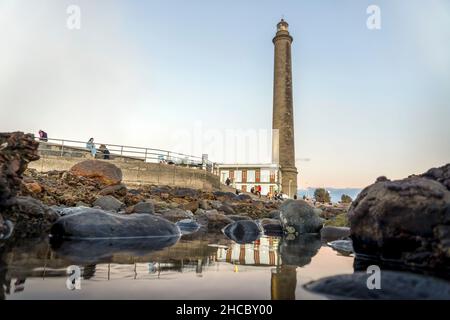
[(73, 148)]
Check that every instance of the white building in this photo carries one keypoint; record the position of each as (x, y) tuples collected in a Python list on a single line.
[(245, 176)]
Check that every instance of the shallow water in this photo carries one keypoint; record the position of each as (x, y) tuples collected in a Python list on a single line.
[(210, 267)]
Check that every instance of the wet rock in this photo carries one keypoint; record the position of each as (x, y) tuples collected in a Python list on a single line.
[(298, 217), (271, 227), (403, 221), (394, 285), (243, 231), (108, 203), (96, 223), (144, 207), (344, 247), (103, 171), (175, 215), (213, 221), (238, 217), (115, 190), (300, 250), (334, 233), (188, 226)]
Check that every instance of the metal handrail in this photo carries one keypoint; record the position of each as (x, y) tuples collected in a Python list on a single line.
[(139, 153)]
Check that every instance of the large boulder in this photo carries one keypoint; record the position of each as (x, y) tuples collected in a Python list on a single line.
[(103, 171), (394, 285), (108, 203), (99, 224), (298, 217), (405, 221), (441, 175), (243, 231)]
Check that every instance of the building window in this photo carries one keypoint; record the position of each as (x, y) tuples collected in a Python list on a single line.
[(251, 176), (272, 176), (258, 175), (265, 175), (238, 175), (244, 175)]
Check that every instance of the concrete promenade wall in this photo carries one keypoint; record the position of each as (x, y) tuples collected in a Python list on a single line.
[(138, 172)]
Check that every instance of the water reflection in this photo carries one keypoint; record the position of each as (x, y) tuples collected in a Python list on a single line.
[(271, 262)]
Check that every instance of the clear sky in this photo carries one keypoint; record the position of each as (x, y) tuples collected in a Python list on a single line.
[(191, 76)]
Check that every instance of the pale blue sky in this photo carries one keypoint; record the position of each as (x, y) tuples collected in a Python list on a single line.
[(151, 73)]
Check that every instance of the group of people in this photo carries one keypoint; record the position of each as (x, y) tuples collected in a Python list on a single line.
[(256, 190), (275, 196), (90, 145)]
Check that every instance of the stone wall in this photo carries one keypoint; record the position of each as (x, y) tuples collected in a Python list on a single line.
[(135, 171)]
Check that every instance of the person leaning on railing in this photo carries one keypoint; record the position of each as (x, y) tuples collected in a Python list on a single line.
[(91, 147)]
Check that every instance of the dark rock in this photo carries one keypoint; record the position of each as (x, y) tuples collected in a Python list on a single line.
[(244, 197), (403, 221), (108, 203), (334, 233), (274, 214), (243, 231), (441, 175), (213, 221), (102, 171), (176, 214), (394, 285), (96, 223), (300, 250), (271, 227), (144, 207), (344, 247), (6, 229), (220, 195), (298, 217), (185, 193), (115, 190), (188, 226)]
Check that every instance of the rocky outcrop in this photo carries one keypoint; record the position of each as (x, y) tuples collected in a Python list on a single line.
[(406, 221), (99, 224), (441, 175), (16, 151), (243, 231), (103, 171), (212, 221), (28, 217), (298, 217), (393, 285)]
